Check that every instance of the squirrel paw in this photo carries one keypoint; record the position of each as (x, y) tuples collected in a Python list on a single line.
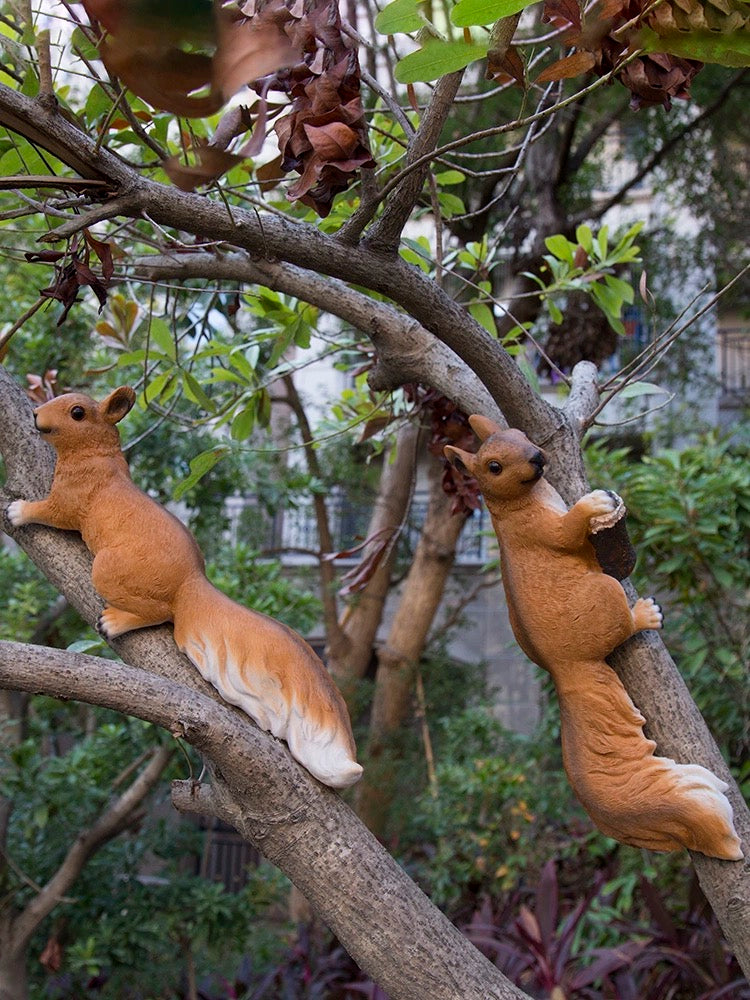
[(14, 513), (599, 502), (647, 614), (105, 626)]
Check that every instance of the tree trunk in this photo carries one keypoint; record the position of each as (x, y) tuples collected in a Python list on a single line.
[(13, 977), (361, 620), (398, 658)]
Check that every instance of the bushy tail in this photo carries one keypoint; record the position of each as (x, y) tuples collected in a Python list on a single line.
[(270, 672), (630, 794)]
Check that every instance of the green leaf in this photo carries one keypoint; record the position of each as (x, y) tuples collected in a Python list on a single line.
[(603, 240), (437, 58), (635, 389), (160, 334), (483, 314), (622, 288), (194, 392), (399, 17), (160, 387), (450, 204), (447, 177), (470, 12), (554, 311), (244, 421), (199, 466), (726, 49), (607, 299), (561, 247), (586, 238)]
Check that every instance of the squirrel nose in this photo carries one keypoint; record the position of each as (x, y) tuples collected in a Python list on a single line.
[(538, 460)]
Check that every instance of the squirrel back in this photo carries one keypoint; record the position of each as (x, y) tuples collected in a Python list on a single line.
[(567, 616), (149, 570)]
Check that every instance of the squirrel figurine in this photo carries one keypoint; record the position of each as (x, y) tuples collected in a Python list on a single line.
[(567, 616), (149, 570)]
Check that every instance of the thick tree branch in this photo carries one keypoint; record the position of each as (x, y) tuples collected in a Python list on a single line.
[(376, 911), (406, 351)]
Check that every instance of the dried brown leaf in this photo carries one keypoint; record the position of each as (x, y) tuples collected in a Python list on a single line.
[(572, 65), (567, 10), (502, 60), (270, 174), (211, 164), (248, 50)]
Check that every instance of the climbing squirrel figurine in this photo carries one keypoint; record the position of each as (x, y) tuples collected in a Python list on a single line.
[(567, 616), (149, 569)]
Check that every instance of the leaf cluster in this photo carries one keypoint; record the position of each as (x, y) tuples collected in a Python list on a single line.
[(689, 517)]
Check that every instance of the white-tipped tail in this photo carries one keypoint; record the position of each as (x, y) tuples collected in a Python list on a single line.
[(270, 672)]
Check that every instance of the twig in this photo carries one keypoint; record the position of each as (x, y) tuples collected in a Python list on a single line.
[(429, 756), (6, 336)]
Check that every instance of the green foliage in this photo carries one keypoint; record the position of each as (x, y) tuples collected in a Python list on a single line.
[(438, 57), (56, 794), (154, 924), (587, 265), (490, 817), (261, 585), (27, 597), (690, 522)]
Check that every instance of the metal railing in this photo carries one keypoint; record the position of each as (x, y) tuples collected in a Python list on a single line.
[(293, 534)]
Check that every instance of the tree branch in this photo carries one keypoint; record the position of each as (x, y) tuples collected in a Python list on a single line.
[(386, 232), (335, 636), (118, 816), (407, 352), (372, 906)]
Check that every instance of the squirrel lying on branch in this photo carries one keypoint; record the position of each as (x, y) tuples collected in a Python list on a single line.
[(149, 570), (567, 616)]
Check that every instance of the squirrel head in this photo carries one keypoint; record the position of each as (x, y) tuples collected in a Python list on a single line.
[(507, 465), (75, 421)]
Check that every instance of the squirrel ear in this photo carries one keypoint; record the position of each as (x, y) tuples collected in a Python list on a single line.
[(118, 404), (461, 460), (483, 427)]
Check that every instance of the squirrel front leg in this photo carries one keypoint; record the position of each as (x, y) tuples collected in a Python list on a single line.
[(575, 526), (22, 512)]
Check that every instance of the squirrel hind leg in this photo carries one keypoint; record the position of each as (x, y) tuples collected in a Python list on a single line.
[(114, 621)]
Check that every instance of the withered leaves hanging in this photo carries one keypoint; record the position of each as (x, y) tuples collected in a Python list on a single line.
[(187, 57), (605, 38), (190, 58), (73, 271), (324, 135)]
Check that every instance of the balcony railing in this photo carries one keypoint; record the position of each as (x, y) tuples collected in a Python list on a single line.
[(293, 532)]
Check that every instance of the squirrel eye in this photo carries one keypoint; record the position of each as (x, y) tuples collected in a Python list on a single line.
[(495, 468), (78, 413)]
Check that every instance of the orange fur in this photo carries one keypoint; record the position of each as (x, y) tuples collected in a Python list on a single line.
[(567, 616), (149, 569)]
